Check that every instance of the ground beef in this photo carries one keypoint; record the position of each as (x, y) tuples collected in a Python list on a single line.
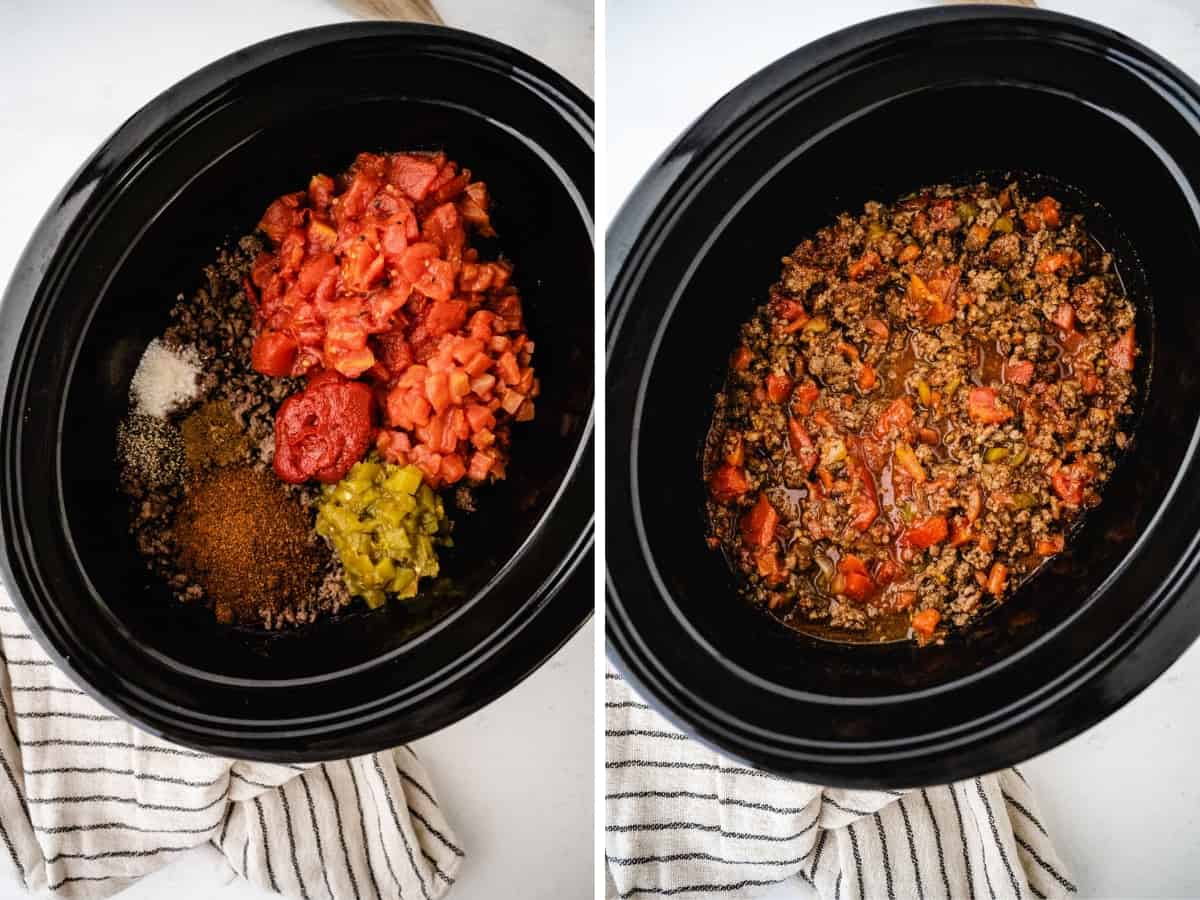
[(918, 417)]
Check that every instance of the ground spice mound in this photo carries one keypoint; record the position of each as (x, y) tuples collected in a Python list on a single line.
[(248, 545), (151, 453), (213, 437)]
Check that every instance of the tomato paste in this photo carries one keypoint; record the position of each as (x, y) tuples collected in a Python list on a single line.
[(323, 430)]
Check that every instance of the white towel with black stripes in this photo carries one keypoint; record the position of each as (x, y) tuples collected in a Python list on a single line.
[(89, 804), (683, 821)]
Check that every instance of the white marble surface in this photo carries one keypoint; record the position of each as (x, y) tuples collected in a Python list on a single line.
[(516, 777), (1123, 800)]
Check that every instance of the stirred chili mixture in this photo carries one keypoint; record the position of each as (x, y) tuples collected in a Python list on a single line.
[(914, 422)]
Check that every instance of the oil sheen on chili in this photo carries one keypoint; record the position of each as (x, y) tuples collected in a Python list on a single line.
[(912, 424)]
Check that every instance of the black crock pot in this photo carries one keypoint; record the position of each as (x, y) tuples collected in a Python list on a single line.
[(134, 228), (871, 113)]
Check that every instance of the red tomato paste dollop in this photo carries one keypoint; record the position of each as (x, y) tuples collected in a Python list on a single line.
[(372, 277), (323, 430)]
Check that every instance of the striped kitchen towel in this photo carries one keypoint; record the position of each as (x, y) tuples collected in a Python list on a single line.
[(683, 821), (89, 804)]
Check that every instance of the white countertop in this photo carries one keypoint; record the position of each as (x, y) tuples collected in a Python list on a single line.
[(1122, 800), (515, 779)]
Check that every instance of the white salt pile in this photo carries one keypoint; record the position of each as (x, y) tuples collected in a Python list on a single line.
[(165, 379)]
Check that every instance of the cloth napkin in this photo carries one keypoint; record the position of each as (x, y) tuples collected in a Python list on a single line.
[(683, 821), (89, 804)]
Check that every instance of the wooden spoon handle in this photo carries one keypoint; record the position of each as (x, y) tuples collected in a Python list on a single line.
[(394, 10)]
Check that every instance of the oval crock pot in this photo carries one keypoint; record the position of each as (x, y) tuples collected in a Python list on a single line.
[(133, 229), (870, 113)]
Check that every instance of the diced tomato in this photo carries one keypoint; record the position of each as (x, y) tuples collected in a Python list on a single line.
[(983, 405), (443, 227), (506, 367), (452, 469), (864, 265), (758, 525), (407, 409), (282, 216), (898, 414), (877, 328), (802, 445), (769, 566), (437, 281), (1050, 211), (866, 377), (480, 465), (909, 253), (445, 317), (1089, 382), (1059, 260), (778, 387), (1070, 481), (273, 353), (887, 572), (1064, 317), (864, 503), (479, 417), (1050, 545), (926, 533), (1032, 220), (1019, 372), (960, 532), (1122, 353), (789, 310), (727, 483), (996, 579), (412, 174), (925, 622), (805, 396)]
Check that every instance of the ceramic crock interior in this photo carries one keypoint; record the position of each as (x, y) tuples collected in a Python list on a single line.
[(164, 226), (948, 114)]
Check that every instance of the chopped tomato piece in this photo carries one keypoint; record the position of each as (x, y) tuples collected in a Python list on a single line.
[(769, 566), (1070, 481), (925, 622), (864, 265), (898, 415), (412, 174), (983, 405), (996, 579), (926, 533), (758, 525), (727, 483), (778, 387), (1064, 317), (877, 328), (1050, 545), (1019, 372), (273, 353), (1122, 353), (805, 396), (741, 358), (864, 503), (1050, 210), (960, 531), (909, 253), (1064, 260), (802, 445), (866, 377)]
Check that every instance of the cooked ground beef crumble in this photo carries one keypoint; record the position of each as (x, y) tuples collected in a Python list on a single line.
[(913, 423)]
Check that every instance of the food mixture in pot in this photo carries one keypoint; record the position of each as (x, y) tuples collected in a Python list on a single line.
[(927, 404), (292, 433)]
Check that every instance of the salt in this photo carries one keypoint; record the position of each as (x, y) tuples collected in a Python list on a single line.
[(166, 378)]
